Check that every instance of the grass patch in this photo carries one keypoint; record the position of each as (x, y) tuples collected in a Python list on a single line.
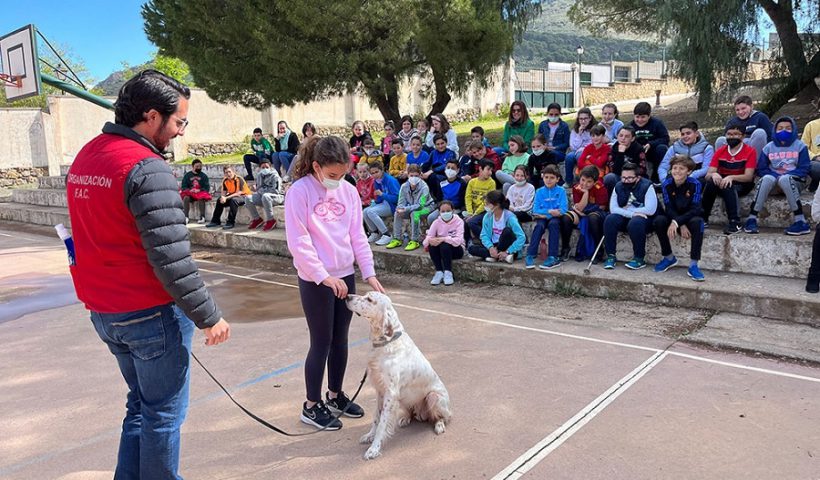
[(224, 158)]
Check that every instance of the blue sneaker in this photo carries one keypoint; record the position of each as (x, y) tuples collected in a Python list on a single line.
[(665, 264), (636, 263), (798, 228), (695, 273), (550, 262), (529, 262), (609, 263), (751, 226)]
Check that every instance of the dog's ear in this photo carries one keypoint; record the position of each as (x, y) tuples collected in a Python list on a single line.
[(391, 321)]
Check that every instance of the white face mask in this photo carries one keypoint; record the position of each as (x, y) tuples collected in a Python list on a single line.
[(329, 183), (553, 119), (451, 174), (414, 180), (521, 183), (446, 216), (538, 152), (368, 151), (265, 171), (489, 209)]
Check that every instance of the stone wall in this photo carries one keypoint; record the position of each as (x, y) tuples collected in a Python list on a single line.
[(627, 91), (208, 149), (10, 177)]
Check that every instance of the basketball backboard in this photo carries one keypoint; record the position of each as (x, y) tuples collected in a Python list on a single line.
[(20, 72)]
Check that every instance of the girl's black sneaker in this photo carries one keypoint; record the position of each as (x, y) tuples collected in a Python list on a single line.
[(320, 417), (343, 404)]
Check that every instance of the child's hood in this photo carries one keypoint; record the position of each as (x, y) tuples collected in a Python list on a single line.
[(793, 135)]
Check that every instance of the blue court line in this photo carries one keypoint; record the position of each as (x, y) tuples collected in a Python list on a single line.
[(116, 433)]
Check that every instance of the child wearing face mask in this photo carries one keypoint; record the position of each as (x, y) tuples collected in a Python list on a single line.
[(414, 203), (268, 193), (326, 239), (196, 188), (521, 195), (453, 189), (539, 158), (370, 154), (433, 169), (556, 134), (445, 242), (785, 163), (501, 238)]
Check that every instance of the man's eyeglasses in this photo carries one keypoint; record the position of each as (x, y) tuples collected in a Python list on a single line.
[(181, 123)]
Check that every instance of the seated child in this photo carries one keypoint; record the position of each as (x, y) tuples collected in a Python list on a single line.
[(556, 133), (539, 158), (407, 131), (370, 154), (196, 187), (501, 235), (233, 194), (610, 121), (268, 193), (453, 189), (579, 138), (468, 165), (445, 242), (387, 142), (521, 195), (731, 174), (386, 191), (631, 207), (433, 169), (357, 140), (783, 162), (682, 213), (517, 156), (694, 145), (756, 126), (652, 135), (417, 155), (550, 203), (589, 208), (596, 153), (477, 190), (414, 203), (364, 184), (398, 161), (422, 129), (261, 148), (813, 279), (477, 133), (625, 150)]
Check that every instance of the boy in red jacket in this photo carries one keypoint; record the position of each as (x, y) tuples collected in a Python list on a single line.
[(596, 153)]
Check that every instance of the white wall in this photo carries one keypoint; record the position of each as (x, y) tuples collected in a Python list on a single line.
[(27, 140)]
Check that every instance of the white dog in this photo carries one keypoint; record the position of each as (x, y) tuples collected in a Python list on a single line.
[(406, 384)]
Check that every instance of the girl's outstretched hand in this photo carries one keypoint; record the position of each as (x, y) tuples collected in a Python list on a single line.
[(375, 285)]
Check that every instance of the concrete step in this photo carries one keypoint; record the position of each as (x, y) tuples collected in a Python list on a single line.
[(770, 253), (775, 214), (54, 183), (769, 297)]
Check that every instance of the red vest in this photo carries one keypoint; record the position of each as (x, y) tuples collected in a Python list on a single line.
[(112, 273)]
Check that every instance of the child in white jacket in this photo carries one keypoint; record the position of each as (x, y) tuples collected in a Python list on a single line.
[(521, 195)]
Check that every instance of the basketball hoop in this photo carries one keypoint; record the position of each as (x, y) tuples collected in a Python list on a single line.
[(11, 80)]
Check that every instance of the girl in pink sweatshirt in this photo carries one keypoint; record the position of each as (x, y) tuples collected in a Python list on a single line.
[(445, 243), (323, 216)]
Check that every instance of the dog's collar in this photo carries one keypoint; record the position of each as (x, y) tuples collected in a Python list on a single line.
[(382, 341)]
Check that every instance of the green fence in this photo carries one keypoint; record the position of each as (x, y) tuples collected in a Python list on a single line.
[(535, 99)]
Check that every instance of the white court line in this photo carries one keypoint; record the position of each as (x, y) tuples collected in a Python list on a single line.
[(540, 450), (566, 335)]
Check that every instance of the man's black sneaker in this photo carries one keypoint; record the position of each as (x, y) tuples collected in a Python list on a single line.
[(340, 403), (320, 417), (564, 254), (732, 228)]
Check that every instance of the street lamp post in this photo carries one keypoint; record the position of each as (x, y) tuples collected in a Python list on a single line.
[(580, 51)]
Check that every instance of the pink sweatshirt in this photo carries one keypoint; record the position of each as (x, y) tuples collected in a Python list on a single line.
[(324, 231), (453, 231)]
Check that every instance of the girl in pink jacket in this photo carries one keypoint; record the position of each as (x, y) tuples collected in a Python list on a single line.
[(323, 214), (445, 243)]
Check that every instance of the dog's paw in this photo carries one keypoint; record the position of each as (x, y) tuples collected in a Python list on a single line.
[(367, 438), (372, 453), (439, 428), (404, 421)]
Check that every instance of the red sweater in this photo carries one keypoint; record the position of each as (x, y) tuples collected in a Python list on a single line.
[(596, 157)]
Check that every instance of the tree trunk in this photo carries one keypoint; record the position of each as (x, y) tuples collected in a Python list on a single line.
[(704, 96), (442, 96), (385, 95)]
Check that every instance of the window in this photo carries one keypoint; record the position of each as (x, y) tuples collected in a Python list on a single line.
[(586, 79), (621, 74)]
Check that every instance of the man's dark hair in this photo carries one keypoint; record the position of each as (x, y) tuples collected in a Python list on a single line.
[(630, 167), (196, 160), (148, 90), (257, 130), (690, 125), (735, 126)]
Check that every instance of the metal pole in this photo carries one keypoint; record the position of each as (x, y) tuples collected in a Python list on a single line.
[(76, 91), (638, 72)]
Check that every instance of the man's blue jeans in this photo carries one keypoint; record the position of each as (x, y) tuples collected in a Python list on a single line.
[(152, 348)]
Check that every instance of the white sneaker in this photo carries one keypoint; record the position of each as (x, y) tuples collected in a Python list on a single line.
[(510, 259), (448, 277), (373, 237), (490, 260), (201, 220), (384, 240), (437, 278), (286, 179)]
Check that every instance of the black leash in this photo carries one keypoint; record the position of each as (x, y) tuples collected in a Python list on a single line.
[(269, 425)]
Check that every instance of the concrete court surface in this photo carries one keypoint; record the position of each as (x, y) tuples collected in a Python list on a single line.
[(536, 394)]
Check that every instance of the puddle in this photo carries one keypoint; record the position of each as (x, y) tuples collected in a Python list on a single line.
[(246, 301), (25, 294)]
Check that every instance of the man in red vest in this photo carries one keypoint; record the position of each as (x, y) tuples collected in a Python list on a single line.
[(133, 268)]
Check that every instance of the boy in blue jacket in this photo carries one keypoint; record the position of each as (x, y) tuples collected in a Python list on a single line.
[(386, 190), (783, 162), (631, 207), (550, 204), (555, 132), (453, 189)]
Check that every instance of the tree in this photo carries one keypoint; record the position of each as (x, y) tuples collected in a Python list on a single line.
[(711, 38), (258, 52)]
